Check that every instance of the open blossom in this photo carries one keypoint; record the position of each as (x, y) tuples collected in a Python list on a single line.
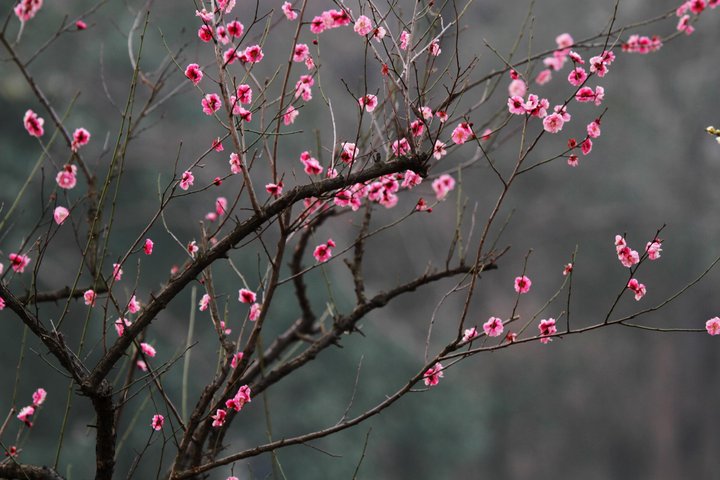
[(312, 166), (593, 129), (642, 44), (187, 180), (236, 359), (148, 349), (26, 9), (434, 48), (493, 327), (60, 214), (157, 422), (547, 328), (235, 29), (517, 88), (469, 334), (25, 414), (235, 164), (287, 9), (120, 325), (713, 326), (410, 179), (653, 249), (211, 103), (577, 76), (516, 105), (253, 54), (553, 123), (18, 262), (204, 302), (194, 73), (290, 115), (39, 396), (274, 189), (133, 305), (323, 252), (218, 418), (432, 375), (637, 287), (192, 248), (303, 87), (240, 399), (522, 284), (544, 76), (80, 138), (400, 147), (148, 247), (89, 297), (404, 39), (439, 150), (586, 146), (462, 133), (33, 124), (363, 25), (443, 185), (255, 310), (246, 296), (67, 177), (369, 102)]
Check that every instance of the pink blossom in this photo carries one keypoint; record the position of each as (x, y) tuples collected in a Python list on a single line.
[(642, 44), (369, 102), (400, 147), (317, 25), (287, 9), (522, 284), (312, 166), (517, 88), (148, 349), (576, 58), (221, 204), (187, 180), (511, 337), (462, 133), (236, 359), (246, 296), (404, 39), (379, 33), (121, 324), (586, 146), (219, 418), (567, 269), (222, 35), (133, 305), (204, 302), (411, 179), (547, 328), (544, 76), (33, 124), (211, 103), (157, 422), (274, 189), (244, 93), (148, 247), (593, 129), (553, 123), (653, 249), (18, 262), (194, 73), (713, 326), (363, 25), (426, 113), (417, 127), (255, 311), (217, 145), (80, 138), (226, 5), (439, 150), (323, 252), (60, 214), (536, 106), (562, 111), (628, 257), (235, 164), (555, 62), (2, 303), (89, 297), (684, 25), (240, 399), (25, 414), (599, 95), (301, 52), (235, 29), (516, 105), (573, 160), (348, 152), (253, 54), (432, 375), (192, 248), (140, 364), (434, 48), (26, 9), (290, 115), (636, 287), (303, 87), (443, 185), (422, 206), (66, 178), (493, 327), (577, 76), (469, 334), (39, 396), (205, 33), (599, 66), (564, 40)]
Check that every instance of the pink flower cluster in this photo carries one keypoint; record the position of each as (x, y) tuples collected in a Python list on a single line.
[(547, 328), (26, 413), (26, 9), (323, 252), (696, 7), (642, 44), (432, 375), (328, 20), (637, 287)]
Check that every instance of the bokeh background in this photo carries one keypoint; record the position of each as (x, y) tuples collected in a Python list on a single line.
[(615, 403)]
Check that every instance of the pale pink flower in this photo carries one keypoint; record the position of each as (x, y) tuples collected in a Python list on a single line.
[(287, 9), (410, 179), (33, 124), (192, 248), (235, 164), (637, 287), (80, 138), (194, 73), (432, 375), (274, 189), (562, 111), (628, 257), (25, 414), (469, 334), (593, 129), (39, 396), (26, 9), (66, 178), (544, 76), (573, 160), (2, 303), (323, 252), (187, 180), (713, 326), (60, 214), (417, 127), (157, 422), (312, 166), (522, 284), (253, 54), (204, 302), (246, 296), (363, 25), (684, 25), (439, 150), (217, 145), (517, 88), (493, 327), (148, 247), (89, 297), (462, 133), (255, 310), (516, 105), (400, 147), (598, 66), (586, 146), (577, 76), (219, 418), (148, 349), (348, 152), (121, 324), (221, 204), (211, 103), (317, 25), (133, 305), (226, 5), (564, 40), (576, 58), (369, 102), (553, 123), (236, 359), (547, 328), (290, 115), (443, 185), (511, 337), (18, 262), (404, 39), (379, 33), (434, 48), (653, 249)]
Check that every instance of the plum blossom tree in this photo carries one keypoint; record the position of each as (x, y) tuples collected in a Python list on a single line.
[(256, 75)]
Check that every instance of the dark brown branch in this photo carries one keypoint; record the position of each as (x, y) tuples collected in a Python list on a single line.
[(28, 472)]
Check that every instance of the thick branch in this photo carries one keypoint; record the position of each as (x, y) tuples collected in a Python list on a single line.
[(28, 472)]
